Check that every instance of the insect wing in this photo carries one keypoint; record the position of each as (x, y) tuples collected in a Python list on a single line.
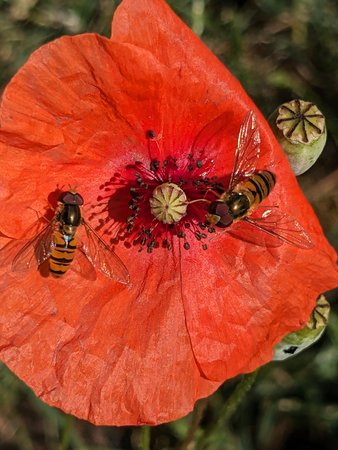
[(26, 254), (247, 150), (211, 140), (83, 266), (212, 135), (102, 257), (273, 228), (9, 251)]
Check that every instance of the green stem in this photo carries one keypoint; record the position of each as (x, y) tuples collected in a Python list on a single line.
[(145, 438), (67, 426), (229, 408), (196, 418), (197, 16), (242, 388)]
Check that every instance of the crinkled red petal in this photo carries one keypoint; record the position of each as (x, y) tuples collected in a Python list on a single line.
[(264, 295), (100, 351), (77, 113), (111, 366)]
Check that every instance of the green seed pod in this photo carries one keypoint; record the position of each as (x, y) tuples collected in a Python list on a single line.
[(298, 341), (300, 129)]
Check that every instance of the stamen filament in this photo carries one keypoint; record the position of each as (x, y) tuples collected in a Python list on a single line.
[(198, 200)]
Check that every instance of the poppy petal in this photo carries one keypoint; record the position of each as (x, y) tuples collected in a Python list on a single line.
[(249, 308), (75, 91), (152, 26), (101, 114), (172, 42), (144, 353), (107, 357)]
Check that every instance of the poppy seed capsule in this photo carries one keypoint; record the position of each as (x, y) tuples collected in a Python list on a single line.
[(300, 129), (168, 203), (295, 342)]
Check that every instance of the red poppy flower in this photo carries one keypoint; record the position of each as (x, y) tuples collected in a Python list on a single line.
[(117, 118)]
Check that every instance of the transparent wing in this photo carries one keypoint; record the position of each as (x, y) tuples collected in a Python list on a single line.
[(271, 229), (290, 232), (83, 266), (247, 150), (25, 254), (8, 251), (212, 136), (102, 257)]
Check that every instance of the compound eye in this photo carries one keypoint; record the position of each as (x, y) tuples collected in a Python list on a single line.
[(79, 199), (71, 198)]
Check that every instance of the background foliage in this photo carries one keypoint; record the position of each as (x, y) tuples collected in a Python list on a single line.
[(279, 51)]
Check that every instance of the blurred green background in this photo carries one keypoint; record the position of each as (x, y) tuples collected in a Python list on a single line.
[(279, 50)]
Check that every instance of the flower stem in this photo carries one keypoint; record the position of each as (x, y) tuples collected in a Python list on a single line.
[(145, 438), (229, 408), (197, 16), (237, 397), (196, 418), (66, 430)]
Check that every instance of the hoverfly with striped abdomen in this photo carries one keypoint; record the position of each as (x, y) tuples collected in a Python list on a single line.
[(247, 189), (59, 242)]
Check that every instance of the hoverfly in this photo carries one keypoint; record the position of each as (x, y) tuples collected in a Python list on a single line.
[(246, 191), (59, 242)]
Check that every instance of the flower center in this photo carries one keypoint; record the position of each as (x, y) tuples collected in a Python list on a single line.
[(168, 203)]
